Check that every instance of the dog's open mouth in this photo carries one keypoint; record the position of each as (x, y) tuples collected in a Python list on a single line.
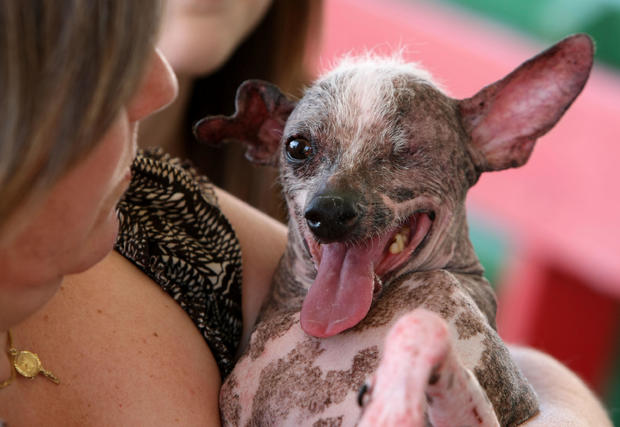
[(348, 276)]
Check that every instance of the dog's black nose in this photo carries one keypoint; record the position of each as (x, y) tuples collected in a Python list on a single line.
[(332, 217)]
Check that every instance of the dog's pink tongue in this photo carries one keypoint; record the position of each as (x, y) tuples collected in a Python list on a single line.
[(341, 293)]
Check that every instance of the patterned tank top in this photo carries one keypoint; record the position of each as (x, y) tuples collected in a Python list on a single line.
[(172, 229)]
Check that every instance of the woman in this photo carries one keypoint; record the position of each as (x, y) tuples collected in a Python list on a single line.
[(76, 78)]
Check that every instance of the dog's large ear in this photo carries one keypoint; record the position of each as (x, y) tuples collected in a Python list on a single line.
[(261, 113), (505, 119)]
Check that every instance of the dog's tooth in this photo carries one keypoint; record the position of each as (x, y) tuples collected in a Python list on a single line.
[(401, 238), (395, 248)]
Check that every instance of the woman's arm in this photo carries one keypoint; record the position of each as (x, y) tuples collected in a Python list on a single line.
[(262, 241), (564, 399)]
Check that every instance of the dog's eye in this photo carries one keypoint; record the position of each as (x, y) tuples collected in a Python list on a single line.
[(298, 149)]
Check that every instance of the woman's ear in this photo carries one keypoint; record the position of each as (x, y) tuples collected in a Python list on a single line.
[(505, 118)]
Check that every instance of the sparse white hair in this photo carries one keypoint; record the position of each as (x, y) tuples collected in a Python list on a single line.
[(370, 63), (363, 90)]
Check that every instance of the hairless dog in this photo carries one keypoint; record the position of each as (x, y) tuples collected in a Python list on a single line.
[(379, 313)]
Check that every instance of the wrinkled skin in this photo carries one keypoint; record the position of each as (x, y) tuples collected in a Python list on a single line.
[(372, 154)]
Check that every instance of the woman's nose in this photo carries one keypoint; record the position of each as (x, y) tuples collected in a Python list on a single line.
[(157, 90)]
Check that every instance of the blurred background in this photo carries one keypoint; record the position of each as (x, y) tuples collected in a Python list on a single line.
[(548, 233)]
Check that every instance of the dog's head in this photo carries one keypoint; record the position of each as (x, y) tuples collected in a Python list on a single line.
[(376, 161)]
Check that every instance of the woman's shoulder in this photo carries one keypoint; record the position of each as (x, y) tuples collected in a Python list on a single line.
[(172, 229), (123, 351)]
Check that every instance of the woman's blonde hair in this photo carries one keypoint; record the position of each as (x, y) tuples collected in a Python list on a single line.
[(66, 69)]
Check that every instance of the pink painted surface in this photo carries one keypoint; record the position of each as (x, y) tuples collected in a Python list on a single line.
[(564, 205)]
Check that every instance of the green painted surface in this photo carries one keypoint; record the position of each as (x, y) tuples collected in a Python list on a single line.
[(551, 20), (491, 244)]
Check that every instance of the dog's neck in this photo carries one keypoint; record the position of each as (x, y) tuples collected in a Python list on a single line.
[(455, 251)]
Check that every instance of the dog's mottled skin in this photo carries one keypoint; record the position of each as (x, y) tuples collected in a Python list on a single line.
[(373, 148)]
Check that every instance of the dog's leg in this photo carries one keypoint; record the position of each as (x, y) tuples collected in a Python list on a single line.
[(420, 380)]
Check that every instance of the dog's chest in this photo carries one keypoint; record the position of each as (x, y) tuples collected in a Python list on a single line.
[(290, 378), (300, 379)]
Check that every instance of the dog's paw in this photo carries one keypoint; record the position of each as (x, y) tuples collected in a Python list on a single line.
[(421, 382)]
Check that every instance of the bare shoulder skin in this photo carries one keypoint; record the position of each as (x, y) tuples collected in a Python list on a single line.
[(125, 353)]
